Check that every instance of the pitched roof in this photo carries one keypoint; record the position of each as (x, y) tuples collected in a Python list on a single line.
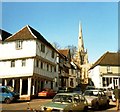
[(4, 34), (109, 58), (65, 52), (27, 33)]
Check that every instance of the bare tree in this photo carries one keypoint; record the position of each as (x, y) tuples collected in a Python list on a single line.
[(73, 50), (56, 45)]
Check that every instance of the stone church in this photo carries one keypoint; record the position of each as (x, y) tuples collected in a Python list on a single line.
[(81, 58)]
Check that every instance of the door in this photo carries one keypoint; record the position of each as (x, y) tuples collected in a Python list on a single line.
[(116, 82)]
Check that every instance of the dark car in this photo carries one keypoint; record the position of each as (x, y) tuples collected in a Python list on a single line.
[(65, 90), (77, 89)]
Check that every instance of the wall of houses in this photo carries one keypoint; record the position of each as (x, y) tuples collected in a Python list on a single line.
[(72, 78), (26, 50), (17, 62), (105, 76), (94, 74), (109, 69), (20, 65)]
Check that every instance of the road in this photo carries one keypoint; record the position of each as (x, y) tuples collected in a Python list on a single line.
[(22, 106)]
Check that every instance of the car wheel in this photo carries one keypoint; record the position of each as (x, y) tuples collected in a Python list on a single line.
[(85, 109), (107, 104), (7, 100), (70, 111), (96, 106)]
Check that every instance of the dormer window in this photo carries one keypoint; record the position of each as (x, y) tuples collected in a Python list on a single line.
[(19, 44)]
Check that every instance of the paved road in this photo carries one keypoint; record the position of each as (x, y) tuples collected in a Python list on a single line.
[(22, 106)]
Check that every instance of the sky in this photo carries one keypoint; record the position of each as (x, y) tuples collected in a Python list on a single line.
[(59, 22)]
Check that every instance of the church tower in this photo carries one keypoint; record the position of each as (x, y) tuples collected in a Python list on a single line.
[(81, 58), (80, 39)]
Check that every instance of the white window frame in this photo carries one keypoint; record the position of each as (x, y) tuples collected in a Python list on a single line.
[(109, 70), (23, 62), (12, 63), (19, 44)]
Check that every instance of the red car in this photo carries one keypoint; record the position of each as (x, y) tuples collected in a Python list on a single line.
[(47, 93)]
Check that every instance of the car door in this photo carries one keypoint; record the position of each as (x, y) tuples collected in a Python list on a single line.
[(83, 102), (102, 98), (77, 103)]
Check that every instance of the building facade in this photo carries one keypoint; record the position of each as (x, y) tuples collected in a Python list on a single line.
[(28, 63), (105, 72)]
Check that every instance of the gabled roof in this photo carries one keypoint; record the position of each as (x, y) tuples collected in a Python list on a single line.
[(108, 59), (4, 34), (27, 33), (65, 52)]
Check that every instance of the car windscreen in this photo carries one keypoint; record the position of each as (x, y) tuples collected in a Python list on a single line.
[(91, 93), (62, 98)]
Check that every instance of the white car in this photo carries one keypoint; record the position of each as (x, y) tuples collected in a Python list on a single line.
[(96, 98), (108, 91)]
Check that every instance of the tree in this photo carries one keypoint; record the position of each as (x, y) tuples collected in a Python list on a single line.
[(56, 45), (73, 50)]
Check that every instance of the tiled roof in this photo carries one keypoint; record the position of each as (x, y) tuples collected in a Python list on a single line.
[(109, 58), (27, 33), (4, 34), (65, 52)]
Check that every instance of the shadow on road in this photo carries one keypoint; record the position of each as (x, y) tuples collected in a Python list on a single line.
[(103, 109)]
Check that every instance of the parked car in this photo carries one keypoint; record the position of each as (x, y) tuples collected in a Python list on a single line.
[(66, 102), (47, 93), (89, 87), (77, 90), (6, 95), (108, 91), (65, 90), (96, 98)]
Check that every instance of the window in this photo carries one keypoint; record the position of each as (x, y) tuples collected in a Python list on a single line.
[(53, 54), (47, 67), (13, 63), (19, 44), (51, 68), (37, 63), (54, 68), (41, 65), (109, 69), (43, 48), (23, 62)]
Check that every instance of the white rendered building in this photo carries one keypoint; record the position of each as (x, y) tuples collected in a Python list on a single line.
[(28, 62)]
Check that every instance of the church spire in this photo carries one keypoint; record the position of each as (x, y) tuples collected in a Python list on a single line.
[(80, 38)]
